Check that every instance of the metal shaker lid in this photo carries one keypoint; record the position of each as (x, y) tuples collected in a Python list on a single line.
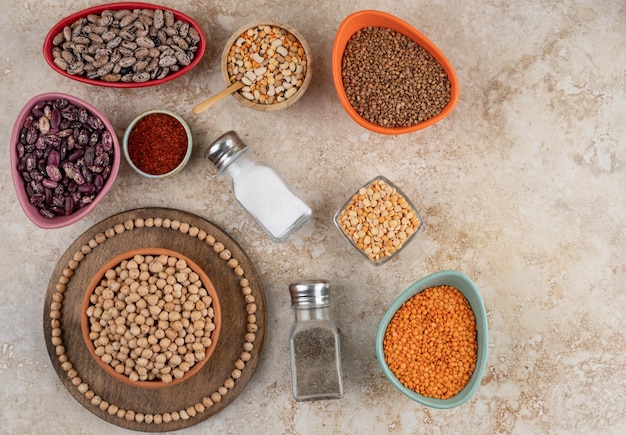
[(225, 149), (309, 293)]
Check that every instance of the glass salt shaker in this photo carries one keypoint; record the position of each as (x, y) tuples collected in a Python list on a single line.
[(314, 348), (258, 188)]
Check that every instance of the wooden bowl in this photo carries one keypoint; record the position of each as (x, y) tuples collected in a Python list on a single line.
[(276, 106), (95, 282)]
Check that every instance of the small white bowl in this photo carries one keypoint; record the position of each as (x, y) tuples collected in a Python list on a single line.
[(129, 130)]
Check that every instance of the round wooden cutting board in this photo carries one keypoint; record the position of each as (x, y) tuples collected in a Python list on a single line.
[(236, 355)]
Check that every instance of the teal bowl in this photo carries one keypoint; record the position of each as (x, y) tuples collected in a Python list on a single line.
[(465, 285)]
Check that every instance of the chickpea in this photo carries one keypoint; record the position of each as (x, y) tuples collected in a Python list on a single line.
[(144, 318)]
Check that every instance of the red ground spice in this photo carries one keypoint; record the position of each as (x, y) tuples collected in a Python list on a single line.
[(157, 144)]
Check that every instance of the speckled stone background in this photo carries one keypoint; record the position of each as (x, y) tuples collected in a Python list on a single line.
[(521, 188)]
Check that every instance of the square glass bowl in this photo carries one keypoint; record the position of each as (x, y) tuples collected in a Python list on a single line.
[(378, 220)]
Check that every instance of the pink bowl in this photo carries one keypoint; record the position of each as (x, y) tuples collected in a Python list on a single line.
[(48, 45), (18, 182)]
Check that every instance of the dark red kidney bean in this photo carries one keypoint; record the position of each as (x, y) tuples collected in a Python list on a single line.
[(78, 177), (68, 206), (87, 175), (29, 120), (106, 171), (41, 165), (66, 132), (98, 181), (83, 115), (52, 140), (87, 188), (58, 200), (54, 173), (41, 144), (69, 113), (55, 119), (35, 175), (54, 158), (31, 134), (31, 162), (49, 184), (44, 125), (107, 141), (83, 138), (45, 212), (36, 186), (60, 103), (36, 199), (90, 155), (95, 122), (48, 196), (94, 138), (76, 154), (25, 174), (58, 210), (23, 134)]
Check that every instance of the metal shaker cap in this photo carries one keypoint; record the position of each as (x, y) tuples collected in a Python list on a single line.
[(226, 149), (310, 293)]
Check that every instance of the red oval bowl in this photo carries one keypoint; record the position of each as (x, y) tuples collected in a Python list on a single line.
[(18, 182), (47, 45), (359, 20)]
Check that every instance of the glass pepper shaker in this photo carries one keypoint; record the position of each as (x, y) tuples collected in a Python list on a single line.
[(258, 188), (314, 348)]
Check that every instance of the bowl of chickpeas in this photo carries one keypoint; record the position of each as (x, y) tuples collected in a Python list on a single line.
[(150, 318), (432, 341)]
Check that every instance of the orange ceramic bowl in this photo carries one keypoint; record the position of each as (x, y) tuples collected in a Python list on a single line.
[(85, 322), (362, 19)]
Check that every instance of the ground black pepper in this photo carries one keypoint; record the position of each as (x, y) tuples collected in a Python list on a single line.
[(315, 358), (392, 81)]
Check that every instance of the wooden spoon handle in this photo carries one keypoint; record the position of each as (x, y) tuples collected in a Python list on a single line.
[(209, 102)]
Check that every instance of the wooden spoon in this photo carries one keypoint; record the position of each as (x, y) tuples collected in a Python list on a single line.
[(209, 102)]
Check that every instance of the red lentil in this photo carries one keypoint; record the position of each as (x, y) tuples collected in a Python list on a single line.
[(157, 144), (430, 344)]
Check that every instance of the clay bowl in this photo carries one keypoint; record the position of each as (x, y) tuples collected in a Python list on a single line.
[(359, 20), (464, 285), (157, 150), (48, 44), (31, 211), (238, 95), (85, 322)]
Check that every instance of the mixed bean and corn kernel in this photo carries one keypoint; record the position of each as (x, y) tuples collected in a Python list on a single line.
[(271, 63), (392, 81), (151, 318), (430, 344), (379, 220)]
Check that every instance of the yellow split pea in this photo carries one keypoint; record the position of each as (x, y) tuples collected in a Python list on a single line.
[(379, 220), (430, 344)]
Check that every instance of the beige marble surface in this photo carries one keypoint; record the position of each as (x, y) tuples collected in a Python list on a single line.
[(520, 187)]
